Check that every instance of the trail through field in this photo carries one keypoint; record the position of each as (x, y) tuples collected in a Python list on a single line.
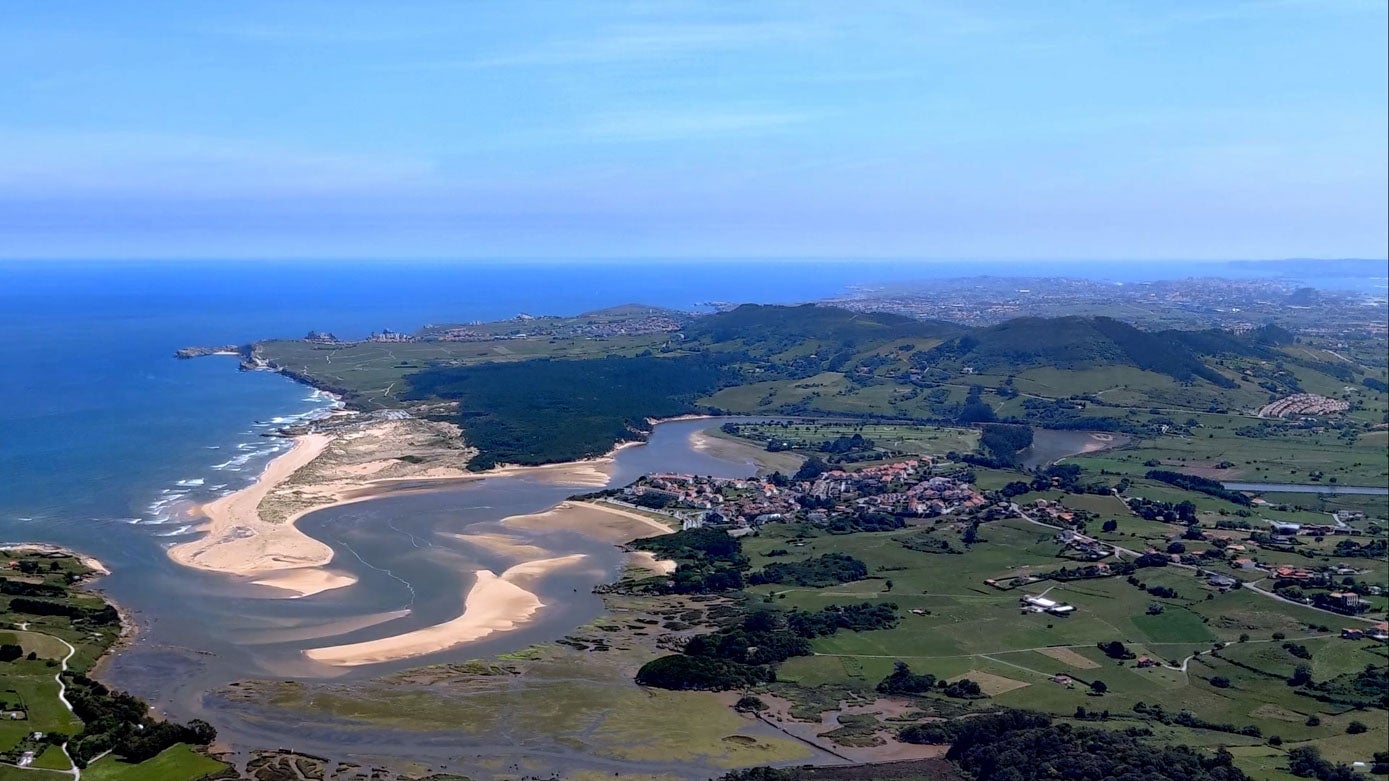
[(73, 770)]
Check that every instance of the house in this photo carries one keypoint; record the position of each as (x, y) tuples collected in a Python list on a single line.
[(1379, 632), (1294, 573), (1286, 529), (1043, 605), (1352, 633), (1343, 602), (1144, 661), (1063, 680), (1244, 563), (1222, 582)]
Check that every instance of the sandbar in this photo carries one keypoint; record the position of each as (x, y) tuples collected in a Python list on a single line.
[(594, 519), (603, 521), (240, 542), (495, 603)]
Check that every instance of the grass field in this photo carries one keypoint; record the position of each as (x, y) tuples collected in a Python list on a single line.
[(806, 437), (176, 763), (372, 372)]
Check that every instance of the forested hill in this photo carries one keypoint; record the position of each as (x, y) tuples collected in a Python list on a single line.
[(768, 329), (1088, 342)]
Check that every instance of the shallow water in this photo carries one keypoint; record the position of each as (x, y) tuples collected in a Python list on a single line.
[(1052, 445), (403, 550)]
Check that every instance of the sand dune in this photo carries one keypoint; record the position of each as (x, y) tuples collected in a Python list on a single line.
[(494, 604)]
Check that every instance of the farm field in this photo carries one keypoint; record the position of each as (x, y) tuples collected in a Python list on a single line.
[(955, 626)]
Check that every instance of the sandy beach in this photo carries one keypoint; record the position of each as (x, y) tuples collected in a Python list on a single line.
[(240, 542), (251, 533), (495, 603)]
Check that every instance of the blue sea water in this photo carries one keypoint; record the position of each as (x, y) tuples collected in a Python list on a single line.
[(102, 431)]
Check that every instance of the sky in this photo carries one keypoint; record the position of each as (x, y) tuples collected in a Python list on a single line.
[(1209, 129)]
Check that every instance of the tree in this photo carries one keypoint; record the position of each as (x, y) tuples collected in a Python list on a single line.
[(1356, 728), (750, 704), (1302, 675), (1110, 525), (811, 469), (1220, 682), (1098, 687), (903, 681), (1115, 650)]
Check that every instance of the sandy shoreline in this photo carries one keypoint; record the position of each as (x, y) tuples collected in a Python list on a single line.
[(252, 533), (495, 603), (240, 542)]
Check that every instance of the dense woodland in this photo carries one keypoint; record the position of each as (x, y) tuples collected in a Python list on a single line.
[(541, 411)]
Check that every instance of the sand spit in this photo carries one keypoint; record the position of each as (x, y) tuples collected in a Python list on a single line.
[(251, 533), (494, 604), (240, 542), (602, 521)]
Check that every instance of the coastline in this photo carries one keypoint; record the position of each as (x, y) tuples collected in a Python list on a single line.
[(240, 542), (129, 628), (252, 533)]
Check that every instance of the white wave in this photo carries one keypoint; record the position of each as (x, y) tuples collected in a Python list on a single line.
[(181, 530), (192, 482)]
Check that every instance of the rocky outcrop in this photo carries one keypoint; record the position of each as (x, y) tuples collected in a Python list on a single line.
[(198, 352)]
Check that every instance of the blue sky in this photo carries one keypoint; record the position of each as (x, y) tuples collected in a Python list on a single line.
[(914, 129)]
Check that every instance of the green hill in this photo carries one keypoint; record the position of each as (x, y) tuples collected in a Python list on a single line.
[(1075, 343), (768, 330)]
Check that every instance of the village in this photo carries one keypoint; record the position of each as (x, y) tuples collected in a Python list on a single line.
[(1303, 404), (906, 488)]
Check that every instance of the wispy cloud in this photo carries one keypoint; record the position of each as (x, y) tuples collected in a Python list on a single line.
[(638, 43), (67, 163), (683, 124)]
